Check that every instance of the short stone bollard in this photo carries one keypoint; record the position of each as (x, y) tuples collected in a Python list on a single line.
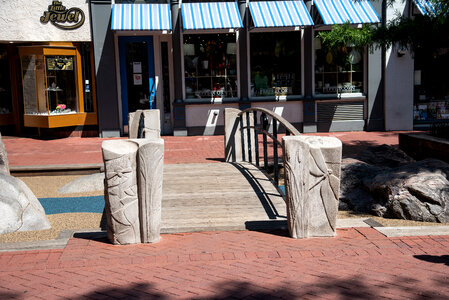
[(312, 183), (133, 189)]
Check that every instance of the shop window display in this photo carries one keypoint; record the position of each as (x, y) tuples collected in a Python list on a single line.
[(210, 66), (5, 85), (275, 63), (49, 85), (338, 71), (431, 93)]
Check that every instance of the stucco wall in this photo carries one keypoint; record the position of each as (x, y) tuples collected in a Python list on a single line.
[(398, 82), (20, 21), (291, 111)]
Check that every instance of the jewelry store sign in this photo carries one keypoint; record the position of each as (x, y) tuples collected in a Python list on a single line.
[(63, 18)]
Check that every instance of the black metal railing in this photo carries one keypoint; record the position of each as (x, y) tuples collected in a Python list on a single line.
[(251, 129)]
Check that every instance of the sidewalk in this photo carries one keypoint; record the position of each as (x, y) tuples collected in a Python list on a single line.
[(192, 149), (358, 263)]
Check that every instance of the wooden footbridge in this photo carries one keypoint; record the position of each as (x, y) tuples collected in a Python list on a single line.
[(219, 196)]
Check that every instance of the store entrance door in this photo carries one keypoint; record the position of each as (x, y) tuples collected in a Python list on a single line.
[(138, 80)]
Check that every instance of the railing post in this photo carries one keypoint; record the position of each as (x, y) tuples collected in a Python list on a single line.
[(233, 135), (264, 121), (256, 138), (248, 137), (275, 151)]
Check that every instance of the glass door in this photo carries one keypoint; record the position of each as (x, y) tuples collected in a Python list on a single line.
[(137, 76)]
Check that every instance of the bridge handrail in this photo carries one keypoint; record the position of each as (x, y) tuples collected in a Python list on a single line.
[(249, 131)]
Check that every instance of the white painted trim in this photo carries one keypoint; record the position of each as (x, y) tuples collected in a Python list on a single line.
[(237, 62), (275, 29), (302, 64), (141, 32)]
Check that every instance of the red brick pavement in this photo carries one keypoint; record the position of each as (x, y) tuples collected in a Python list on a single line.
[(192, 149), (358, 263)]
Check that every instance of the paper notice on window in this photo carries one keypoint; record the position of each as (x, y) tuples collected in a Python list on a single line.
[(137, 67), (137, 79)]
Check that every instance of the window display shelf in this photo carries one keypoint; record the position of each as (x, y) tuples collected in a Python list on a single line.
[(60, 120)]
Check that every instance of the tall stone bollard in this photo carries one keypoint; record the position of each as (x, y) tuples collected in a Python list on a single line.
[(133, 189), (312, 183)]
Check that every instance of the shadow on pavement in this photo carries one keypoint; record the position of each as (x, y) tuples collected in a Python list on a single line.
[(443, 259)]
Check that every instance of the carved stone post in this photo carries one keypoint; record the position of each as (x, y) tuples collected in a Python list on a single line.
[(144, 124), (133, 189), (233, 135), (312, 183), (150, 164)]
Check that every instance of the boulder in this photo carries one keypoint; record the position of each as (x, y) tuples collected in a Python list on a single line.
[(385, 156), (19, 208), (418, 191), (353, 193), (4, 165)]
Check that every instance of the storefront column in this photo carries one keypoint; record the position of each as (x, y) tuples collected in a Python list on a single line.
[(376, 77), (106, 79), (309, 122), (243, 55), (179, 109)]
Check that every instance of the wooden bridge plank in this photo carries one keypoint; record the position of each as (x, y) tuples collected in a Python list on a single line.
[(219, 196)]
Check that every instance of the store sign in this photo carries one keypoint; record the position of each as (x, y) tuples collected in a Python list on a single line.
[(59, 16)]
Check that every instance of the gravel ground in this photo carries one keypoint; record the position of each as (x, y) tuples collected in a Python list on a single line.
[(47, 186)]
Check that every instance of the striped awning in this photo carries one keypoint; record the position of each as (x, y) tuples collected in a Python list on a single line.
[(425, 7), (141, 17), (210, 15), (279, 14), (342, 11)]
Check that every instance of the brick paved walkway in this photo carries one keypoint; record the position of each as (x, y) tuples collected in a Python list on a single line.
[(192, 149), (358, 263)]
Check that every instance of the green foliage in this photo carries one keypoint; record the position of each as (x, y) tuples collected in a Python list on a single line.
[(346, 35)]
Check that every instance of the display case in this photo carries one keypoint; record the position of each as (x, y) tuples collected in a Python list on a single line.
[(53, 87), (338, 71), (210, 66)]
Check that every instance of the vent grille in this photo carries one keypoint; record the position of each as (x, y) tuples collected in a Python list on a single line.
[(328, 112)]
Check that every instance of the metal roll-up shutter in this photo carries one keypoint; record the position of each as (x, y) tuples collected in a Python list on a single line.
[(346, 111)]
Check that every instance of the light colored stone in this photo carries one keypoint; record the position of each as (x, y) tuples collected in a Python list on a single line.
[(88, 183), (233, 136), (133, 189), (121, 200), (150, 166), (312, 182), (144, 124), (19, 208), (4, 164)]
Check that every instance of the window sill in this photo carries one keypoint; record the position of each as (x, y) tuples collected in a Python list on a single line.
[(60, 120)]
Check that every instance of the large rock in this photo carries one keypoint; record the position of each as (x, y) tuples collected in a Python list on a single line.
[(19, 208), (4, 165), (418, 191)]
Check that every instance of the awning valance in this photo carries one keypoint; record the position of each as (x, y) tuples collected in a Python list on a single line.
[(141, 17), (210, 15), (279, 14), (425, 7), (342, 11)]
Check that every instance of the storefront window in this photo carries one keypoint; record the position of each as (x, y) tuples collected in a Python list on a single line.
[(431, 89), (275, 63), (338, 71), (61, 84), (33, 84), (5, 85), (210, 66)]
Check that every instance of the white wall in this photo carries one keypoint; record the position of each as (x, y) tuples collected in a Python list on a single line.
[(399, 72), (207, 116), (291, 111), (20, 22)]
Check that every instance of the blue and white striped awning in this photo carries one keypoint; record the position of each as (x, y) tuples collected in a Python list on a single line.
[(425, 7), (210, 15), (342, 11), (279, 14), (141, 17)]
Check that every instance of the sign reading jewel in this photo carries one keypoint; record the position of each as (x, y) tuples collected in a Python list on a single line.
[(58, 15)]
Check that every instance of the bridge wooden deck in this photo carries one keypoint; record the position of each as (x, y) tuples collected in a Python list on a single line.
[(219, 196)]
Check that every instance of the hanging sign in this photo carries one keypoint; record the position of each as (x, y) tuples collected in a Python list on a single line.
[(59, 15)]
